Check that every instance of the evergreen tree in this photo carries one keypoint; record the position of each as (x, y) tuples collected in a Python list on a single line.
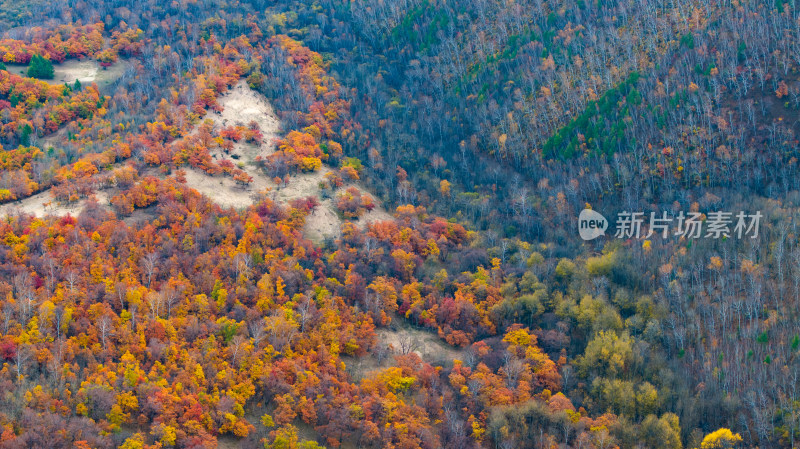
[(25, 134), (40, 68)]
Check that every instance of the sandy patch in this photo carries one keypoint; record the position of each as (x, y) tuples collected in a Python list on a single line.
[(325, 222), (140, 217), (105, 77), (301, 185), (56, 140), (379, 213), (83, 71), (43, 204), (241, 106)]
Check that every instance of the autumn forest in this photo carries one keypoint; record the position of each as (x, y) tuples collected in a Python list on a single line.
[(333, 224)]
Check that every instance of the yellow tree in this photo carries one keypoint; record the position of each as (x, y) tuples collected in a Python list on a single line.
[(721, 439)]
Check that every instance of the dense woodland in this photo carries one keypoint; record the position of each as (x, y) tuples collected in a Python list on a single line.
[(485, 128)]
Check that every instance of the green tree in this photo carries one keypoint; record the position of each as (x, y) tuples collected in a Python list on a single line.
[(41, 68), (607, 355), (25, 132), (661, 433), (565, 268)]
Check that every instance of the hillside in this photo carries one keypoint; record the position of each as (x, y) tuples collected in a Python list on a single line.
[(421, 224)]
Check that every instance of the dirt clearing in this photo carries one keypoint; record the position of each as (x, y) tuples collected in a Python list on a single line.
[(406, 339), (401, 339), (222, 189), (241, 107), (323, 223), (86, 71), (43, 204)]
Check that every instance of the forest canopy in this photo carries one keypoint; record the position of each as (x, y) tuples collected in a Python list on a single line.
[(303, 224)]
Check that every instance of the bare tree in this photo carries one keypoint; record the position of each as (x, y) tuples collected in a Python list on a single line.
[(304, 309), (149, 266), (72, 280), (381, 352), (241, 264), (50, 265), (408, 343), (121, 289), (54, 365), (133, 309), (154, 303), (257, 332), (21, 358), (169, 297), (236, 347), (59, 319), (104, 326), (8, 316), (23, 290), (513, 367), (279, 331)]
